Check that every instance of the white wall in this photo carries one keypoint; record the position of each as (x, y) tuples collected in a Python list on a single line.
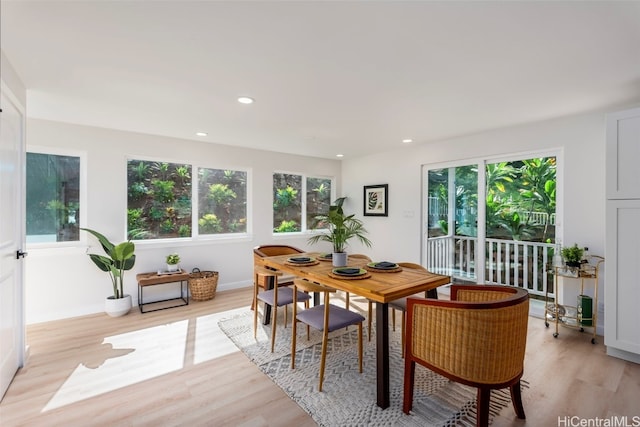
[(580, 139), (63, 282), (11, 79)]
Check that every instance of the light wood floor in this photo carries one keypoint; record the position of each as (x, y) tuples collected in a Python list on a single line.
[(184, 374)]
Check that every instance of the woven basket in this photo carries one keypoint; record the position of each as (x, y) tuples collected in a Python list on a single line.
[(203, 284)]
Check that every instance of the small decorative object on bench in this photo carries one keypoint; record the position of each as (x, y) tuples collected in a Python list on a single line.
[(173, 261), (203, 284)]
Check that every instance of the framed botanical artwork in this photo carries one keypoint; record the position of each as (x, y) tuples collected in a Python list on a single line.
[(376, 198)]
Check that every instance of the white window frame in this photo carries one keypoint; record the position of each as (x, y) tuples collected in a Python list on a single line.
[(82, 155), (195, 237), (303, 203)]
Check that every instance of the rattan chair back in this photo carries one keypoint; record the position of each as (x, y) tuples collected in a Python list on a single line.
[(478, 338)]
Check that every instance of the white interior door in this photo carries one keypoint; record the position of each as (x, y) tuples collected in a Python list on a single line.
[(11, 239)]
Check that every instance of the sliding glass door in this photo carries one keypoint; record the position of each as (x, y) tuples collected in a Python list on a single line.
[(500, 215), (452, 220)]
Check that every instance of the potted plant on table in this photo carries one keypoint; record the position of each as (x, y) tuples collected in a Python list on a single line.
[(118, 259), (173, 261), (341, 228)]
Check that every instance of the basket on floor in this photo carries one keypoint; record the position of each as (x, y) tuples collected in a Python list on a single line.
[(203, 284)]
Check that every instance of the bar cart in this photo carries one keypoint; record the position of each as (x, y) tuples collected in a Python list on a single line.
[(585, 312)]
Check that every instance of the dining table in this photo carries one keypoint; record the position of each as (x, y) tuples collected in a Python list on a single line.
[(379, 286)]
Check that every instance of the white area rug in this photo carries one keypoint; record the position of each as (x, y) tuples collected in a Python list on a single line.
[(348, 397)]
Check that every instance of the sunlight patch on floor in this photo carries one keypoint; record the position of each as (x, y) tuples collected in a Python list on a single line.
[(211, 342), (126, 359)]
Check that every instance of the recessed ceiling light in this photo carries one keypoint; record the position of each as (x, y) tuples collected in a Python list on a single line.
[(201, 133), (407, 141), (339, 155), (245, 100)]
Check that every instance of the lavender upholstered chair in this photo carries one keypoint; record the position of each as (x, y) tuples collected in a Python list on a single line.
[(276, 297), (326, 318)]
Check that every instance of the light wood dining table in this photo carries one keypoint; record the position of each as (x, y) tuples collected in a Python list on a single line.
[(380, 287)]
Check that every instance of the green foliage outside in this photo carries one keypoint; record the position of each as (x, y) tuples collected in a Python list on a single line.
[(222, 201), (159, 200), (288, 198), (518, 194)]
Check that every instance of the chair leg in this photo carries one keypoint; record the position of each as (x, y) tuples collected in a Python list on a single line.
[(294, 324), (323, 356), (255, 313), (285, 316), (393, 319), (516, 398), (360, 346), (407, 400), (402, 327), (482, 407), (274, 319), (369, 319)]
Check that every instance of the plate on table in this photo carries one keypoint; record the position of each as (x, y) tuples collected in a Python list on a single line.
[(326, 257), (301, 260), (383, 266), (349, 273)]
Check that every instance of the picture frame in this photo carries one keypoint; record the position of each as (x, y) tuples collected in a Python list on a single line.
[(376, 200)]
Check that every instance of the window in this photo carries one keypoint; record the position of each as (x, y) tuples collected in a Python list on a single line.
[(222, 201), (53, 198), (158, 200), (293, 194)]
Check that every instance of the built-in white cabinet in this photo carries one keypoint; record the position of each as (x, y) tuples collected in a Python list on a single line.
[(623, 155), (622, 246), (622, 277)]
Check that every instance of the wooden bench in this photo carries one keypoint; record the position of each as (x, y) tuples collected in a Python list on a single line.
[(152, 279)]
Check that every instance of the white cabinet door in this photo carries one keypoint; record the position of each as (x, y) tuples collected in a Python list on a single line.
[(623, 154), (622, 276)]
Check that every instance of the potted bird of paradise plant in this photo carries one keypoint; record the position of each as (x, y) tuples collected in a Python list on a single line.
[(117, 259)]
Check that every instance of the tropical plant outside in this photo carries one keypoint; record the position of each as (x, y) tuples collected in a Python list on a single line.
[(518, 194), (222, 201), (294, 193), (159, 199)]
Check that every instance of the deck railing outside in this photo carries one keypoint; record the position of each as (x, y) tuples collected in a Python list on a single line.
[(507, 262)]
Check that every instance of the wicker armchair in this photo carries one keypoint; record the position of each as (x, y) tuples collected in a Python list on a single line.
[(478, 339)]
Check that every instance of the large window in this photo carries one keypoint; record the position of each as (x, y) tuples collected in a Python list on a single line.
[(297, 200), (160, 196), (222, 201), (159, 200), (53, 198)]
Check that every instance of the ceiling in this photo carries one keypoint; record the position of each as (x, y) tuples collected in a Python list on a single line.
[(328, 77)]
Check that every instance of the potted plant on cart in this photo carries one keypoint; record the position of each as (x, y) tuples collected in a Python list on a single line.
[(118, 259), (341, 228), (572, 255)]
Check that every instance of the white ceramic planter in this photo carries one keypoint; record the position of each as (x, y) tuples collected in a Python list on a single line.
[(173, 267), (117, 307), (339, 259)]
